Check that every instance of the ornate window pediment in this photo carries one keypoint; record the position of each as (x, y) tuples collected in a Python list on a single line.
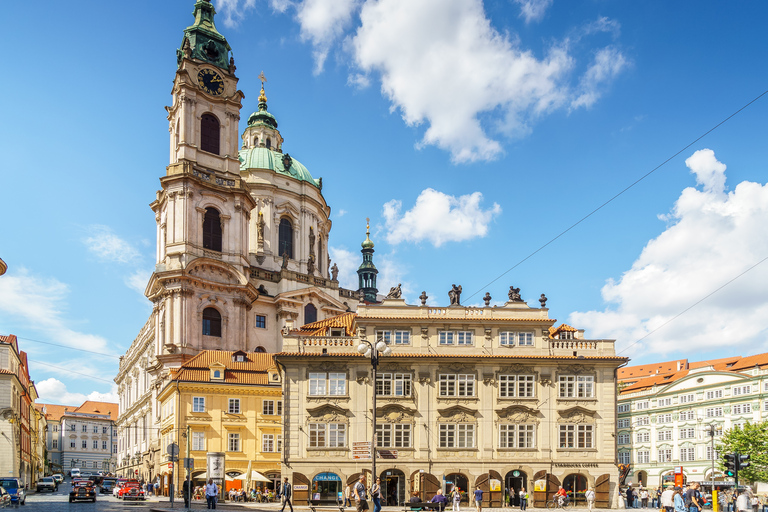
[(457, 414), (519, 414), (328, 413), (395, 413), (577, 415), (575, 369), (326, 366)]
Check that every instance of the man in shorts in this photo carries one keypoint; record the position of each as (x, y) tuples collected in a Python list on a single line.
[(361, 495)]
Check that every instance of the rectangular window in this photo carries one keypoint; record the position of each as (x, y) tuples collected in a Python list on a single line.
[(623, 423), (686, 399), (717, 393), (234, 408), (234, 443), (643, 420), (713, 412), (327, 435), (457, 385), (279, 407), (710, 452), (268, 443), (525, 339), (198, 441), (279, 442), (95, 429), (664, 402), (316, 435), (72, 444), (103, 445), (663, 418), (664, 435), (687, 454), (687, 433), (572, 386), (623, 439), (506, 338), (337, 384), (337, 435), (85, 428), (741, 390), (641, 406), (687, 415), (623, 457), (393, 384), (446, 337), (396, 337), (516, 386), (55, 444), (55, 428), (742, 408), (511, 338), (261, 321), (104, 430), (268, 407), (457, 435), (665, 455), (72, 428), (393, 435), (643, 457), (643, 437), (455, 338), (85, 445), (316, 384), (517, 436), (198, 404), (623, 408), (576, 436)]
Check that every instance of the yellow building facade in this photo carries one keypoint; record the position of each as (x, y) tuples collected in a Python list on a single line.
[(222, 402)]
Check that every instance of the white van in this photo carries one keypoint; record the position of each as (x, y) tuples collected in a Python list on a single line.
[(75, 472)]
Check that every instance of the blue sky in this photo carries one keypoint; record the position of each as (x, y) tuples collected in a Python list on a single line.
[(471, 133)]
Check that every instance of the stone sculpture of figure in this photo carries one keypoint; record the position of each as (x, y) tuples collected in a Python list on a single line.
[(487, 299), (394, 292), (311, 264), (335, 272), (514, 294), (423, 298), (543, 300), (455, 295), (260, 229), (285, 260)]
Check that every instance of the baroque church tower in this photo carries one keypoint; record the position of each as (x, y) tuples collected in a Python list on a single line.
[(242, 239)]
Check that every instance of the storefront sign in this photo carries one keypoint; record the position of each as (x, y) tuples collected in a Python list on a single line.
[(576, 465), (361, 450), (387, 454), (515, 473), (495, 485), (540, 486), (327, 477), (301, 487), (215, 465)]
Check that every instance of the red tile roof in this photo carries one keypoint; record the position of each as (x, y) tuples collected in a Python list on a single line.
[(645, 370), (401, 355), (323, 327), (92, 407), (253, 371)]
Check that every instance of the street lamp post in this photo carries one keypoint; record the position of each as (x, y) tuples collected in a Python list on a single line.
[(713, 428), (368, 349)]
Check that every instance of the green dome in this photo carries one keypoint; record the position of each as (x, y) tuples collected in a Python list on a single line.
[(262, 117), (264, 158)]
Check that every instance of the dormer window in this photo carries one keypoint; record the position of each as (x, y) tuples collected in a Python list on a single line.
[(216, 374), (337, 332), (239, 357), (217, 371)]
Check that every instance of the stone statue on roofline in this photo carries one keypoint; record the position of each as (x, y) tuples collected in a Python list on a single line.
[(335, 272), (395, 292), (455, 295), (514, 294)]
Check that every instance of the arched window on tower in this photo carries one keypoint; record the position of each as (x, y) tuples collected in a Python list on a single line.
[(310, 313), (269, 143), (212, 230), (285, 238), (211, 322), (209, 133)]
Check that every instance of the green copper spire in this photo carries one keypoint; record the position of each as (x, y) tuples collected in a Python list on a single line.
[(262, 116), (367, 271), (202, 41)]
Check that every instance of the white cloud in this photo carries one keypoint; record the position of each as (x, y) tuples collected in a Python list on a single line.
[(607, 64), (342, 212), (533, 10), (711, 239), (233, 11), (439, 218), (138, 280), (54, 391), (108, 246), (347, 263), (358, 80), (323, 22)]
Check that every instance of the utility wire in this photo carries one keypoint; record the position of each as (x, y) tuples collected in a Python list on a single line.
[(641, 178), (68, 347), (69, 370), (694, 304)]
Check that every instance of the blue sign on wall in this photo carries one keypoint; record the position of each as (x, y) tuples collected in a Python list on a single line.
[(327, 477)]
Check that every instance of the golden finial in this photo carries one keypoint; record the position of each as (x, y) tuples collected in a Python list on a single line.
[(367, 226), (367, 243), (262, 96)]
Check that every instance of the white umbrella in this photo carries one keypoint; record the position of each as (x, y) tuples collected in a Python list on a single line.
[(255, 476), (248, 472)]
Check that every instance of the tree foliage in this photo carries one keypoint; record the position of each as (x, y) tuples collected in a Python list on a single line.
[(752, 440)]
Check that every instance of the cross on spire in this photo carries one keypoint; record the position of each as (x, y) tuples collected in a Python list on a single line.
[(263, 79)]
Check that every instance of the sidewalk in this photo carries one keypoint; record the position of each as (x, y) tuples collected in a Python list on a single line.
[(165, 506)]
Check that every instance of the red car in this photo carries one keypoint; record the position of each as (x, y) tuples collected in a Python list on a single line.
[(131, 491)]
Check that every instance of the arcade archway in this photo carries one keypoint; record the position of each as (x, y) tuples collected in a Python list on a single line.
[(514, 481)]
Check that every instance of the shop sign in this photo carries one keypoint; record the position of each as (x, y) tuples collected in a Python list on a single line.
[(495, 485), (515, 473), (301, 487), (576, 465), (327, 477), (215, 465), (387, 454), (540, 486), (361, 450)]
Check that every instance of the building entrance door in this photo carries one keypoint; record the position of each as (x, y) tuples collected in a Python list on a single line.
[(514, 481), (393, 487)]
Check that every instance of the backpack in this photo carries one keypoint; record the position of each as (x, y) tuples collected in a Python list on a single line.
[(687, 498), (361, 491)]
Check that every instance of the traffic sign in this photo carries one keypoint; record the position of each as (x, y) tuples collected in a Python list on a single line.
[(173, 449), (189, 463), (170, 465)]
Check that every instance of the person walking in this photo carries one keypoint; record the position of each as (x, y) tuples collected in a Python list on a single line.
[(286, 494), (211, 493), (644, 497), (678, 501), (348, 495), (185, 487), (361, 495), (693, 498), (523, 494), (456, 498), (630, 496), (590, 497), (667, 499), (478, 499), (376, 495)]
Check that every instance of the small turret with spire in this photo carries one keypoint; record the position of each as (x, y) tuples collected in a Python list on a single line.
[(367, 271)]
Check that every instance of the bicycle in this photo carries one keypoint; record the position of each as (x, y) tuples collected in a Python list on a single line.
[(554, 503)]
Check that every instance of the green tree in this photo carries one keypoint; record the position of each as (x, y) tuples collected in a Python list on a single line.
[(752, 440)]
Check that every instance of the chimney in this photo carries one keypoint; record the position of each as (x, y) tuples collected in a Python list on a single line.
[(679, 365)]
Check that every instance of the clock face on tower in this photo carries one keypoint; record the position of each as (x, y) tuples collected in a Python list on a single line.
[(210, 81)]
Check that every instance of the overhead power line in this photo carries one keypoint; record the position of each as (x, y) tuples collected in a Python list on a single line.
[(606, 203), (69, 347), (69, 370)]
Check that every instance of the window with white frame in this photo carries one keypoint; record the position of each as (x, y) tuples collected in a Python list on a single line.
[(576, 436), (624, 457), (327, 435), (710, 452), (664, 435), (233, 444), (55, 444), (332, 383), (641, 406), (643, 437), (664, 402), (742, 408), (738, 424), (576, 386), (72, 443), (55, 428), (198, 404), (516, 386), (643, 420), (623, 408), (95, 429), (688, 454), (517, 436), (686, 399), (279, 408), (234, 408), (457, 384), (85, 428), (268, 408), (279, 442), (198, 441), (103, 430), (622, 423), (687, 415), (393, 435), (663, 418), (623, 438), (765, 405), (512, 338), (713, 412), (457, 435), (267, 442), (714, 393), (687, 433), (643, 457), (741, 390), (85, 444), (455, 337), (103, 445), (665, 455), (395, 337), (393, 384)]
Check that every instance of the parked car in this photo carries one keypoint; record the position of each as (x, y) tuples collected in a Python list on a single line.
[(58, 477), (119, 485), (47, 483), (131, 491), (74, 473), (107, 485), (82, 490), (15, 489), (5, 498)]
